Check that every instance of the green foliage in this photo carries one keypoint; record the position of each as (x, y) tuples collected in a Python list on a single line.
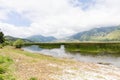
[(1, 45), (5, 62), (11, 39), (49, 46), (18, 43), (94, 48), (1, 37), (8, 43), (33, 78), (2, 70)]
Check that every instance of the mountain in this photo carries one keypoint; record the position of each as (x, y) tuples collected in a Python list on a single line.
[(98, 34), (40, 38), (10, 38), (110, 33)]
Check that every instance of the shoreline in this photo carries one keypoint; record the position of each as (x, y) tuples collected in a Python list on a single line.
[(28, 65)]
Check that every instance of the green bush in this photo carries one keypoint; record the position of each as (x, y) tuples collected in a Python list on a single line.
[(1, 46), (18, 43), (7, 43), (1, 37), (2, 70)]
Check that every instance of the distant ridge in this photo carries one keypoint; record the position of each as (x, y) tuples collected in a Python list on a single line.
[(40, 38), (10, 38), (110, 33), (98, 34)]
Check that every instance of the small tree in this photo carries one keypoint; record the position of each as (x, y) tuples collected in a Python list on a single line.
[(18, 43), (2, 37)]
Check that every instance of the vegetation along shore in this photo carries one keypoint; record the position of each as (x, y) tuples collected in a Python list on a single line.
[(16, 64)]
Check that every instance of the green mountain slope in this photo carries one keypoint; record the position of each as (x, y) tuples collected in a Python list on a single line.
[(40, 38), (99, 34), (10, 38), (114, 35)]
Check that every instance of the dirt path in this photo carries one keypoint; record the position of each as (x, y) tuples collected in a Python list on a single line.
[(48, 68)]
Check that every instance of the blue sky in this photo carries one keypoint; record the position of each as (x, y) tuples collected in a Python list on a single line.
[(17, 19), (86, 1), (84, 4), (59, 18)]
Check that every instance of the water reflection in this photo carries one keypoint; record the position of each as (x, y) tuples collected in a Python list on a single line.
[(60, 52), (56, 52)]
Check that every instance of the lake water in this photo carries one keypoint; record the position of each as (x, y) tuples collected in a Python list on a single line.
[(60, 52)]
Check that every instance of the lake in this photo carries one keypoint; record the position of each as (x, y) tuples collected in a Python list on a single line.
[(62, 53)]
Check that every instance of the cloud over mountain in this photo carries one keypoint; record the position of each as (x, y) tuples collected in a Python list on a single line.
[(59, 18)]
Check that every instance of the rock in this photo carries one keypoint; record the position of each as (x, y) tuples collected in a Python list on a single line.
[(104, 63)]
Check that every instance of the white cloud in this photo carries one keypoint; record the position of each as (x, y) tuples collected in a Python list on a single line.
[(14, 31), (59, 18)]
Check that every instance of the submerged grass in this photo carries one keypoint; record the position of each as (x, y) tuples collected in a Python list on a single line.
[(86, 48), (95, 48)]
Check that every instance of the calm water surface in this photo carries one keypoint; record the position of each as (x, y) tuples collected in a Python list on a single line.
[(60, 52)]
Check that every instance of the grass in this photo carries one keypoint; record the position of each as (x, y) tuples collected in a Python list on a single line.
[(33, 78), (17, 64), (1, 46), (41, 56), (95, 48), (5, 70), (22, 65)]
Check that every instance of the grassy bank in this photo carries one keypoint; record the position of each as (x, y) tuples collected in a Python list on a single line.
[(16, 64), (6, 72), (95, 48)]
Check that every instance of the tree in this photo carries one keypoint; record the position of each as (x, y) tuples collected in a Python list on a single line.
[(1, 37), (18, 43)]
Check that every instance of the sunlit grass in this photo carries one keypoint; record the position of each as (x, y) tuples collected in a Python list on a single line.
[(5, 70), (27, 59)]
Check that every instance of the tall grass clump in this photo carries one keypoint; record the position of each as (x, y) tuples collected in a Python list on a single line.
[(33, 78), (5, 63)]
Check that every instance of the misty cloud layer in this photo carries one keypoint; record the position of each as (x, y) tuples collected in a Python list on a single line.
[(57, 18)]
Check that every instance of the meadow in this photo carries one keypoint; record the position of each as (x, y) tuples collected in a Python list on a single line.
[(17, 64)]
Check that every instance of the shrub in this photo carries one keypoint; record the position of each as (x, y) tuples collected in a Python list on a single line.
[(18, 43), (1, 46), (2, 70), (1, 37)]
